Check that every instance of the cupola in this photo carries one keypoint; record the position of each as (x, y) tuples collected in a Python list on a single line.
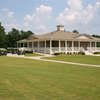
[(60, 28)]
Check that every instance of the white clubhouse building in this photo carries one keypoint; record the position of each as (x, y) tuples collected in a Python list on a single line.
[(60, 41)]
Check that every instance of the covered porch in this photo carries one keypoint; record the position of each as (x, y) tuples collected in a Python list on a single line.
[(64, 46)]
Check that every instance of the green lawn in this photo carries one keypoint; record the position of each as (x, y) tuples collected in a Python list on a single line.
[(78, 59), (23, 79), (32, 54)]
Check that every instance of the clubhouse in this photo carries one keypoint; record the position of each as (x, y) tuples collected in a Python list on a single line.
[(60, 41)]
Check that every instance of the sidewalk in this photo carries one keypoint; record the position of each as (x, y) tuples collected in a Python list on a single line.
[(63, 62)]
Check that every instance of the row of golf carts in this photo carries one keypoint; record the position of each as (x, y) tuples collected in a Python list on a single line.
[(20, 51)]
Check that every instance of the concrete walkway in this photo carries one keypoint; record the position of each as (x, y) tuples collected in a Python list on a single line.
[(40, 59)]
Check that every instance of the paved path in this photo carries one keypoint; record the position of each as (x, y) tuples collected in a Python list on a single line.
[(63, 62)]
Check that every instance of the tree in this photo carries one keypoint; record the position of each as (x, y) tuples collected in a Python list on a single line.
[(26, 34), (2, 36), (98, 36), (12, 37), (75, 31)]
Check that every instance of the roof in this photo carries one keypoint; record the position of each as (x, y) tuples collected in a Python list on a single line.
[(65, 35), (58, 35), (24, 40), (61, 35)]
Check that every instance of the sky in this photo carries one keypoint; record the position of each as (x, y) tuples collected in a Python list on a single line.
[(42, 16)]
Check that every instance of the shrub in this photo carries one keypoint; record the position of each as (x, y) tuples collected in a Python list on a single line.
[(96, 53), (57, 53), (68, 53), (28, 51), (81, 53)]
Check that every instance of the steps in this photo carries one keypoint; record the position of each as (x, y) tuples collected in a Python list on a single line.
[(88, 53)]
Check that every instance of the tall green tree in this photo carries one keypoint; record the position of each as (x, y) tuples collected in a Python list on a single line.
[(26, 34), (2, 36), (97, 36), (12, 37)]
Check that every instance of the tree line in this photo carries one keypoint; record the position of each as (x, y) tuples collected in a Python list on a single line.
[(10, 39)]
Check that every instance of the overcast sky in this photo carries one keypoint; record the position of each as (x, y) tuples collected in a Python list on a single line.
[(42, 16)]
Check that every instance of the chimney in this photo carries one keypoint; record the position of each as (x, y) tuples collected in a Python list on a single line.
[(60, 28)]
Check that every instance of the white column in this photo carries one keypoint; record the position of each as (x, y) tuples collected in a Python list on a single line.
[(95, 46), (59, 46), (90, 45), (50, 46), (65, 47), (33, 46), (45, 47), (38, 46), (79, 45), (72, 46)]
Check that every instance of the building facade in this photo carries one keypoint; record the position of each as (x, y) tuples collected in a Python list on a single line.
[(60, 41)]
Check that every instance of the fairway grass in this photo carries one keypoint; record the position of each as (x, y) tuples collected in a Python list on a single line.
[(95, 60), (23, 79), (32, 54)]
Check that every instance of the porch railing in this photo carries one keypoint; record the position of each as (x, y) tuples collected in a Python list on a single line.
[(93, 49), (62, 49)]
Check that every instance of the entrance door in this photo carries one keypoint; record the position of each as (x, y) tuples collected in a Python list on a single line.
[(85, 45)]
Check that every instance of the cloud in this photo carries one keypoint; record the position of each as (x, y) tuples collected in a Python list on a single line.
[(76, 15), (28, 18), (8, 20), (36, 21), (39, 19), (75, 4), (44, 9), (10, 26), (8, 13), (75, 11)]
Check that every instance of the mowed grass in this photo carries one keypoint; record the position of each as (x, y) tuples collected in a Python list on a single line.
[(32, 54), (78, 59), (23, 79)]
